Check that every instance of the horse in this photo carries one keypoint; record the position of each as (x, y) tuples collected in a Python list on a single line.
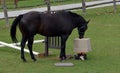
[(59, 23)]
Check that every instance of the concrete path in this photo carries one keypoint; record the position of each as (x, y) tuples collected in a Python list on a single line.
[(59, 7)]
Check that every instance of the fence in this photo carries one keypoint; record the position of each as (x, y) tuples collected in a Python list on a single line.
[(10, 2), (13, 4), (52, 42)]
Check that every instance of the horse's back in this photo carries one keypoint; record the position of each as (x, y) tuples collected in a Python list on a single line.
[(55, 24), (31, 16)]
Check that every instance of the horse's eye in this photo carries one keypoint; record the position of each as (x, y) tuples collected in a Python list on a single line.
[(82, 27)]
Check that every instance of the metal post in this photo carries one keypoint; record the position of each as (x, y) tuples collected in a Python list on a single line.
[(46, 46), (46, 38)]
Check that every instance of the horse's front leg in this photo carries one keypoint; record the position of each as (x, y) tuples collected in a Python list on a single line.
[(63, 46), (23, 42), (30, 43)]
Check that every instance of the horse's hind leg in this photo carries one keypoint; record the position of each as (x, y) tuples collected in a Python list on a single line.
[(23, 42), (30, 43)]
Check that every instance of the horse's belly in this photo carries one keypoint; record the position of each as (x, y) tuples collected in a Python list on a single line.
[(49, 33)]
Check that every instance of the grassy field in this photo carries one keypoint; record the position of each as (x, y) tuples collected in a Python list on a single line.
[(37, 3), (104, 32)]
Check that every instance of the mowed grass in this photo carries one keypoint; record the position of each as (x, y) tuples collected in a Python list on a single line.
[(104, 32), (23, 4)]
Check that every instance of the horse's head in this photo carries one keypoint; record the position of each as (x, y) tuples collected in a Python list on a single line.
[(82, 29), (80, 23)]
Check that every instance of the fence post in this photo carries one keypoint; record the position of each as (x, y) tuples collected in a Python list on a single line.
[(48, 6), (115, 7), (83, 7), (16, 3), (5, 11)]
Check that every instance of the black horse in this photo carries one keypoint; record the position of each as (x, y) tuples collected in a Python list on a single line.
[(60, 23)]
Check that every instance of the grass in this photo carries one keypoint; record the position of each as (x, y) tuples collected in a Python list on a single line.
[(104, 32), (37, 3)]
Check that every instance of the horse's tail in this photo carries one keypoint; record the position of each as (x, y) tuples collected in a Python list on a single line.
[(13, 28)]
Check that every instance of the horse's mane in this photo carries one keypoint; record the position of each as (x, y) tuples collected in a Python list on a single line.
[(77, 16), (73, 14)]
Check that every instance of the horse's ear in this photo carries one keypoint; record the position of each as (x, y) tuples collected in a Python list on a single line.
[(88, 21)]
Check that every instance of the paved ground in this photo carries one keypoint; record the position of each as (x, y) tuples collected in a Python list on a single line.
[(59, 7)]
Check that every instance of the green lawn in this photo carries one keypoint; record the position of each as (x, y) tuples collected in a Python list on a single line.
[(37, 3), (104, 32)]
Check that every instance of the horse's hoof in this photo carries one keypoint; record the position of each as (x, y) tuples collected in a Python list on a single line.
[(24, 60), (34, 60), (62, 59)]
